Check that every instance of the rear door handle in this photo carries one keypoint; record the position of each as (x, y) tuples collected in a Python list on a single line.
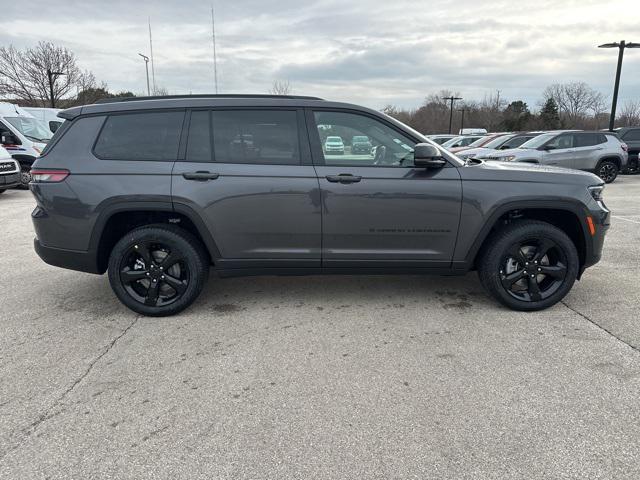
[(343, 178), (200, 176)]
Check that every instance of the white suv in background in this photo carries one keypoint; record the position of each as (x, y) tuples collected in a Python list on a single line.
[(9, 171)]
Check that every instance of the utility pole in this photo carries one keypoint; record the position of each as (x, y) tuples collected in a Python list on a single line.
[(146, 64), (52, 78), (451, 99), (153, 69), (215, 60), (620, 46), (462, 110)]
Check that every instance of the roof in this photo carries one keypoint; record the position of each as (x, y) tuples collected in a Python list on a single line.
[(201, 101)]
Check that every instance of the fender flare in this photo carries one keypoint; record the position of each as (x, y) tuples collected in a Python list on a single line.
[(572, 206), (111, 209)]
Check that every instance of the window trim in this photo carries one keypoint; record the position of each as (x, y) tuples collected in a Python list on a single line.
[(316, 144), (135, 112)]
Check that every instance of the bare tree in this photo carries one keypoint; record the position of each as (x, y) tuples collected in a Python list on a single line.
[(575, 100), (629, 114), (25, 74), (280, 87)]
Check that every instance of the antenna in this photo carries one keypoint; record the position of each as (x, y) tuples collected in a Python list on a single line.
[(215, 60), (153, 70)]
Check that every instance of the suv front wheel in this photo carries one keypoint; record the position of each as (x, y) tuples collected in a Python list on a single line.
[(158, 270), (529, 265)]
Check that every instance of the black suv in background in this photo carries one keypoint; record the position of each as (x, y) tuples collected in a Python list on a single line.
[(631, 136), (156, 191)]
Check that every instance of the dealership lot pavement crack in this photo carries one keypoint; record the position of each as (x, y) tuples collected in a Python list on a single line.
[(48, 413)]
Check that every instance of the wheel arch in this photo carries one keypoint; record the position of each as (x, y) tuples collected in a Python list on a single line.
[(118, 219), (566, 215)]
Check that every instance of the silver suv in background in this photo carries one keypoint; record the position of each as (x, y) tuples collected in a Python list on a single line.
[(599, 152)]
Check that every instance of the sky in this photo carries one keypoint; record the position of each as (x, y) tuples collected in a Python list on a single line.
[(373, 52)]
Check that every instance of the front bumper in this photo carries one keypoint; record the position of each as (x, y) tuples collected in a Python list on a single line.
[(9, 180)]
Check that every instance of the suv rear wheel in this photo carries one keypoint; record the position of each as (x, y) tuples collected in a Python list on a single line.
[(158, 270), (607, 171), (529, 265)]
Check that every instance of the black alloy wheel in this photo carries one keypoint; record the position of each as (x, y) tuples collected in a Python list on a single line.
[(533, 270), (608, 171)]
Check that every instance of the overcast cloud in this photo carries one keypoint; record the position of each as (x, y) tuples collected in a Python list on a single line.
[(368, 52)]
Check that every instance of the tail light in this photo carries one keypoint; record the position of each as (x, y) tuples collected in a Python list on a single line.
[(49, 175), (625, 147)]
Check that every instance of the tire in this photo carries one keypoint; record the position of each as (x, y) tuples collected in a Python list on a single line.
[(143, 261), (25, 178), (607, 171), (523, 245)]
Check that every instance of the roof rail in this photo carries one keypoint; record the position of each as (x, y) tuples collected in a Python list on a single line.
[(221, 95)]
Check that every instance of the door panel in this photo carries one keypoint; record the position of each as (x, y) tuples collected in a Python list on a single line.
[(390, 216), (258, 199), (255, 211), (562, 152), (377, 209)]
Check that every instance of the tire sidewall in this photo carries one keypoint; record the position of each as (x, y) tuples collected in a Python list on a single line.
[(192, 257), (518, 232)]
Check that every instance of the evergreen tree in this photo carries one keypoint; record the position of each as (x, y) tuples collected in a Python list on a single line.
[(549, 117)]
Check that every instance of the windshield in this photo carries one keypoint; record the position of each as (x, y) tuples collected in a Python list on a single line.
[(538, 141), (479, 142), (452, 142), (31, 128), (498, 142)]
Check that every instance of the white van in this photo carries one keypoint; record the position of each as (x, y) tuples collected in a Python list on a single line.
[(23, 136), (48, 116)]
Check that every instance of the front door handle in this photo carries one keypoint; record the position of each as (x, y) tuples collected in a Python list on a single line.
[(200, 176), (343, 178)]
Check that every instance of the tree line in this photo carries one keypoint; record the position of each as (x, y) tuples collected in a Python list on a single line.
[(572, 105), (48, 74)]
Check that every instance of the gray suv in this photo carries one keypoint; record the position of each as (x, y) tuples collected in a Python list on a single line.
[(599, 152), (157, 191)]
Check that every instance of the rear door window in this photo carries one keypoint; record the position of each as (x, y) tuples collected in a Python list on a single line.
[(587, 139), (267, 137), (151, 136)]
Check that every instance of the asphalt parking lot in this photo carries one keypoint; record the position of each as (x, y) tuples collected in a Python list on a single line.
[(320, 377)]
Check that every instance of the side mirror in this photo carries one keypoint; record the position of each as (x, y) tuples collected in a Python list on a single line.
[(427, 156)]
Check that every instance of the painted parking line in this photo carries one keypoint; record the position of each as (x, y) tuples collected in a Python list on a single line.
[(626, 219)]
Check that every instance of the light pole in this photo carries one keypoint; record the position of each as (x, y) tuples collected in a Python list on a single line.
[(146, 66), (462, 110), (620, 46), (52, 78), (451, 99)]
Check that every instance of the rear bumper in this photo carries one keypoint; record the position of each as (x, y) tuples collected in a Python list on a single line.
[(9, 180), (71, 259)]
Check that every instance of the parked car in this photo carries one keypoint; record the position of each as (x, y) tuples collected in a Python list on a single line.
[(48, 116), (9, 171), (477, 143), (461, 141), (502, 142), (361, 144), (440, 139), (631, 137), (152, 192), (600, 152), (334, 145), (23, 136)]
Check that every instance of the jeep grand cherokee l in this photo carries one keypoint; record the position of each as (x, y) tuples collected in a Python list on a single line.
[(158, 191)]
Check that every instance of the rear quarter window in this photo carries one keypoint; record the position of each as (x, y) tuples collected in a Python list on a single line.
[(147, 136)]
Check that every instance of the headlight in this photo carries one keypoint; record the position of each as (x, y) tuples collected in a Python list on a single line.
[(508, 158), (38, 150), (596, 192)]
